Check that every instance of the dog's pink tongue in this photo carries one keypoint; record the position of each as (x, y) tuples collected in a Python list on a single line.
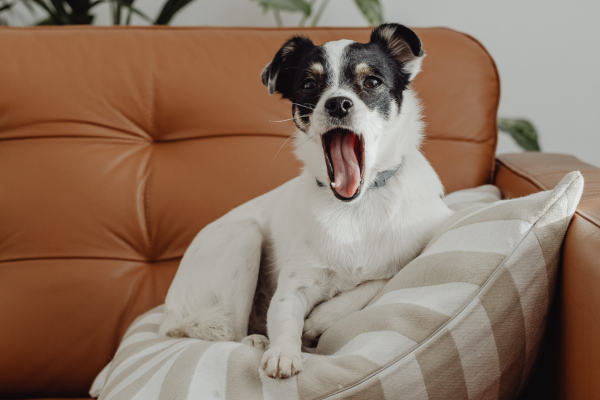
[(345, 164)]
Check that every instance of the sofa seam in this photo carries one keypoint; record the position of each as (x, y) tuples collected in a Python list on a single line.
[(433, 138), (444, 325), (152, 109), (427, 139), (529, 178), (150, 251), (143, 261), (522, 174), (584, 214), (74, 137), (276, 135), (133, 136)]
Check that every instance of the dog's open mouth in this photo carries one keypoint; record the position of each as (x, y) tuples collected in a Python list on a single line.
[(344, 157)]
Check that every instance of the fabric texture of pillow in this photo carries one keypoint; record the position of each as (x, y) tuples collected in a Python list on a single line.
[(462, 199), (464, 320)]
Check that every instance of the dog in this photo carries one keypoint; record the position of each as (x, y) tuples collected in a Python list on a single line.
[(365, 204)]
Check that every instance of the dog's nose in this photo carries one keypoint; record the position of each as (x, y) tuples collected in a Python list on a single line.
[(338, 106)]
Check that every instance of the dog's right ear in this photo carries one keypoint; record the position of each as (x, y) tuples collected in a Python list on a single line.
[(279, 73)]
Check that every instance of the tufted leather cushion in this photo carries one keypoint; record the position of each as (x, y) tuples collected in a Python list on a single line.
[(118, 145)]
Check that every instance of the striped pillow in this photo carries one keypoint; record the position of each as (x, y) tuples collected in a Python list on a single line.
[(462, 321), (469, 197)]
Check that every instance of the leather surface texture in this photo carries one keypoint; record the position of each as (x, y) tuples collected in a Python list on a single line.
[(569, 365), (117, 145)]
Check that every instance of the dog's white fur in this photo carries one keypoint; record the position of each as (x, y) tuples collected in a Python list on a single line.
[(312, 245)]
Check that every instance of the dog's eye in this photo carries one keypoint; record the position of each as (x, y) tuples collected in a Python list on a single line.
[(372, 82), (309, 85)]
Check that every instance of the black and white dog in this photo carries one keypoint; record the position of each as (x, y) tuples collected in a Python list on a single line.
[(365, 204)]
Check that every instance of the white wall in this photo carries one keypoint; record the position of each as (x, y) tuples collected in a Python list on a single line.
[(547, 52)]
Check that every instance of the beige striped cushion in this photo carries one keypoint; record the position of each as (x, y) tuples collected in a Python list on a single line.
[(470, 197), (462, 321)]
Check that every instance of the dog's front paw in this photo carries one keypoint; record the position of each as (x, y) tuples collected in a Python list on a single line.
[(281, 363)]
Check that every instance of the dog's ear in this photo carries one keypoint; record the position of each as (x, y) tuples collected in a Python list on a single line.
[(279, 73), (403, 44)]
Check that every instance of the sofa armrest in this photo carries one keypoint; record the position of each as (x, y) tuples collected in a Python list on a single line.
[(572, 371)]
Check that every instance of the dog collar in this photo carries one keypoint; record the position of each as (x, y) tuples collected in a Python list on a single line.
[(380, 179)]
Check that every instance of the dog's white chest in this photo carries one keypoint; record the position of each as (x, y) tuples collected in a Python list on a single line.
[(362, 252), (355, 246)]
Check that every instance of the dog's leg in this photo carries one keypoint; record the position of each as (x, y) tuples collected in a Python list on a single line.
[(212, 293), (290, 304), (284, 323), (327, 313)]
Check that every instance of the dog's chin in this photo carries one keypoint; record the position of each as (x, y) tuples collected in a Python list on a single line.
[(344, 152)]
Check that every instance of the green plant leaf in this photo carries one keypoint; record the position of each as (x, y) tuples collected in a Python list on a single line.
[(28, 5), (61, 13), (522, 131), (32, 10), (117, 7), (116, 11), (319, 13), (170, 8), (135, 11), (6, 7), (286, 5), (372, 11), (42, 4), (51, 12), (44, 22)]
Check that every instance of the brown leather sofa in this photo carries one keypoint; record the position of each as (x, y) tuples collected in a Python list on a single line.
[(118, 145)]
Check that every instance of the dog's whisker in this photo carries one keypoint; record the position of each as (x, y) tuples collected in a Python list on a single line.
[(302, 105), (283, 120), (286, 140)]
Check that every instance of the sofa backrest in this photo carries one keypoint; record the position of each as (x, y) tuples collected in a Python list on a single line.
[(118, 145)]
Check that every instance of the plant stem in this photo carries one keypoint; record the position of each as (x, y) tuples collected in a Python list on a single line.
[(113, 10), (305, 17), (317, 17), (278, 20), (128, 20), (118, 16)]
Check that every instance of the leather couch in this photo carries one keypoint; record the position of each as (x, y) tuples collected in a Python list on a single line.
[(117, 145)]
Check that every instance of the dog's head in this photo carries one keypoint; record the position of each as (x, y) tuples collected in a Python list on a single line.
[(351, 103)]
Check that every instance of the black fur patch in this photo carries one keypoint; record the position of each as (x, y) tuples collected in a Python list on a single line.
[(384, 67), (291, 67)]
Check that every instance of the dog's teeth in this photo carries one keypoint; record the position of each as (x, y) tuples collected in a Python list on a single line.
[(333, 185)]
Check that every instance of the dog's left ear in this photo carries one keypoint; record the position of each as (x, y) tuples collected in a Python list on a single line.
[(278, 75), (403, 44)]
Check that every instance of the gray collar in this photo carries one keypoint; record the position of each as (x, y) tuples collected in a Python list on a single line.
[(380, 179)]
